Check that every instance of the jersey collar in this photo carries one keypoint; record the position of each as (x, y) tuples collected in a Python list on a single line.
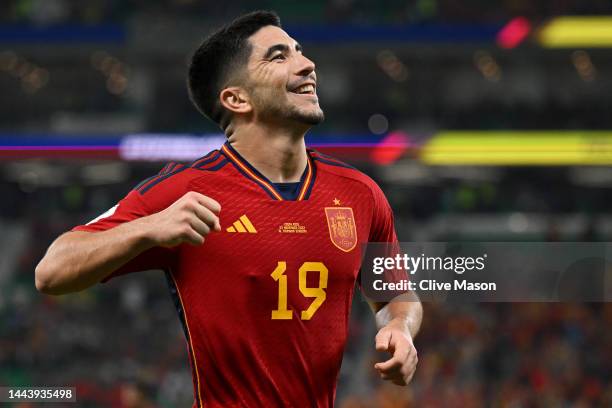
[(250, 172)]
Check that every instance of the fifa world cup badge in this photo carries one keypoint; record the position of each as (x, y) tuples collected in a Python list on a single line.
[(342, 228)]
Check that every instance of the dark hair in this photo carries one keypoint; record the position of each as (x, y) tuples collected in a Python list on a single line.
[(219, 57)]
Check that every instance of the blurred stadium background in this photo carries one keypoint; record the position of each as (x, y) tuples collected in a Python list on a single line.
[(481, 120)]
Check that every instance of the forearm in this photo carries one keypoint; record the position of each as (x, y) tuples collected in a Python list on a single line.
[(405, 311), (78, 260)]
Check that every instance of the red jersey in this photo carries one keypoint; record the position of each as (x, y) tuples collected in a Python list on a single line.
[(265, 302)]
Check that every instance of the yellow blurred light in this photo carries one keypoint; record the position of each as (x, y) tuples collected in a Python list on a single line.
[(584, 31), (516, 148)]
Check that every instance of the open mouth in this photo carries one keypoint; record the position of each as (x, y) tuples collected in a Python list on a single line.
[(307, 89)]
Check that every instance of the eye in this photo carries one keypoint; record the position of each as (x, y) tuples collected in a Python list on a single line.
[(278, 57)]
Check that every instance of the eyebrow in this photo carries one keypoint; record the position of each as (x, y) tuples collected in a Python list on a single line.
[(280, 47)]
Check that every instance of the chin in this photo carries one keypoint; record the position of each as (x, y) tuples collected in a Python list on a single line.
[(309, 118), (314, 120)]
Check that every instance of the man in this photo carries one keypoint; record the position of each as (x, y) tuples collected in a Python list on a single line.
[(264, 286)]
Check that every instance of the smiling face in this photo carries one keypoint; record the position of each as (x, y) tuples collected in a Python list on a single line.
[(281, 81)]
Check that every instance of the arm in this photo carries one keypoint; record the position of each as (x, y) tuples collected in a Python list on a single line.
[(78, 259), (398, 322)]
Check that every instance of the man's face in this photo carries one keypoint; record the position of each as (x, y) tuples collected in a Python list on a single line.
[(281, 80)]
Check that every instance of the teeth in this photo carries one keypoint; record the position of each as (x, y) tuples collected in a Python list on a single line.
[(305, 89)]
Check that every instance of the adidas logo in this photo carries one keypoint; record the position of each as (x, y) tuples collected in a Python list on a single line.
[(243, 224)]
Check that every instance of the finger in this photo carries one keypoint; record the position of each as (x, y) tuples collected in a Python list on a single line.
[(409, 377), (409, 369), (389, 366), (198, 225), (405, 378), (192, 237), (383, 339), (207, 216), (401, 352), (401, 356), (212, 204)]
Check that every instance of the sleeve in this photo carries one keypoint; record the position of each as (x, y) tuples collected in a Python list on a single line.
[(383, 226), (131, 207), (382, 242)]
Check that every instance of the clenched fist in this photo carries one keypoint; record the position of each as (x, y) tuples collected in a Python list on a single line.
[(188, 220)]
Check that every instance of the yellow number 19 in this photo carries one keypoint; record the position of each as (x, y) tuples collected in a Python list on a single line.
[(318, 293)]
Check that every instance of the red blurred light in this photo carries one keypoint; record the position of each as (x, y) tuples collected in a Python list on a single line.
[(391, 148), (513, 33)]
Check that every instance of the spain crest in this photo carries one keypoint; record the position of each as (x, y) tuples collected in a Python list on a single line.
[(342, 228)]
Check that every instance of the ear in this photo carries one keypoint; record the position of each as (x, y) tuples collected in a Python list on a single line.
[(235, 99)]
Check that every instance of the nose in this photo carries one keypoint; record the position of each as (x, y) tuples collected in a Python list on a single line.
[(306, 66)]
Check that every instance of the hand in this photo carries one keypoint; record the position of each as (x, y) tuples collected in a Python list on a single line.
[(189, 219), (396, 340)]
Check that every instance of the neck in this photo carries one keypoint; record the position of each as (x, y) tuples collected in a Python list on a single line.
[(278, 154)]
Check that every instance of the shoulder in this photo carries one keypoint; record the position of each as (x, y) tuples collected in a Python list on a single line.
[(175, 179), (338, 168)]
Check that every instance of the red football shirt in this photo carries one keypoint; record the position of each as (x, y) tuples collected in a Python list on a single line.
[(265, 303)]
